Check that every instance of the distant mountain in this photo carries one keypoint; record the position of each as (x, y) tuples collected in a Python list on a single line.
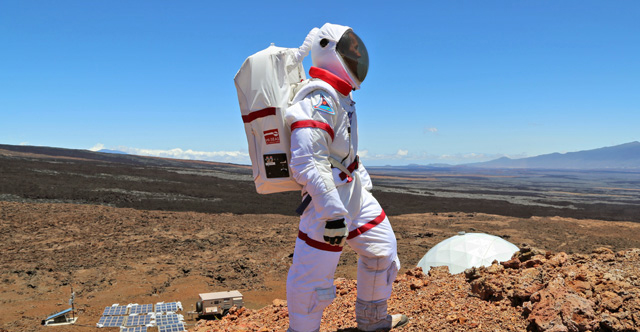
[(624, 156), (104, 156), (619, 157)]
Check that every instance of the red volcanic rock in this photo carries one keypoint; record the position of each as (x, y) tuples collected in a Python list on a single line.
[(555, 309), (416, 284), (580, 287), (513, 263), (279, 303), (611, 301), (558, 260), (560, 292), (536, 260), (569, 293)]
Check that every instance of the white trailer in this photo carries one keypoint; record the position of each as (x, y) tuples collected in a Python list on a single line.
[(218, 303)]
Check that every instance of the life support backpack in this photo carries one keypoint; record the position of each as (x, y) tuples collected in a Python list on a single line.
[(265, 84)]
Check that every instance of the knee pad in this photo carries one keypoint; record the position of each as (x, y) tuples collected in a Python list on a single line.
[(322, 298), (305, 312), (392, 272), (308, 303)]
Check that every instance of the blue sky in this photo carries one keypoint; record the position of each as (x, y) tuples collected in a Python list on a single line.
[(449, 81)]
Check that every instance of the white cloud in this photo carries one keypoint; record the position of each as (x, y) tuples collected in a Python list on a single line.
[(404, 157), (237, 157), (433, 130), (400, 154), (400, 157), (24, 143), (97, 147)]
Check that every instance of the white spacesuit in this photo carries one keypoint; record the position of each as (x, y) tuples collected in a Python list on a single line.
[(324, 145)]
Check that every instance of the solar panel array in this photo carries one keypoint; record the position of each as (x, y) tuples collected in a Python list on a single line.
[(168, 319), (171, 328), (142, 316), (138, 320), (141, 309), (134, 329), (118, 310), (111, 321), (168, 307)]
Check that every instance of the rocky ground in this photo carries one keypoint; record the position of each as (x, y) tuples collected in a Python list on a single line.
[(121, 255), (125, 229), (535, 291)]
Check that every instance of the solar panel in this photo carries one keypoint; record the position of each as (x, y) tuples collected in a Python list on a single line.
[(171, 328), (168, 319), (115, 311), (141, 309), (138, 320), (168, 307), (134, 329), (111, 321)]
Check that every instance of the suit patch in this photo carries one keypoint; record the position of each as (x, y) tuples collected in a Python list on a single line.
[(272, 136), (324, 106)]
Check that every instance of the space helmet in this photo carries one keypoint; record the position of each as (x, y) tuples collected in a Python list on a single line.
[(338, 49)]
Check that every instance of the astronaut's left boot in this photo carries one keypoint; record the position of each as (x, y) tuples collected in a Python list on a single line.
[(372, 316), (399, 320)]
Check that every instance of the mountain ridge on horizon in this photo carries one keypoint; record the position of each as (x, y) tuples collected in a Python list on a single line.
[(624, 156)]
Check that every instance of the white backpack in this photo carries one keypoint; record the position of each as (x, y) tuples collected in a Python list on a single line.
[(265, 85)]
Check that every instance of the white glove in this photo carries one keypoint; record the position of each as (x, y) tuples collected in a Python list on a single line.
[(335, 232), (304, 49)]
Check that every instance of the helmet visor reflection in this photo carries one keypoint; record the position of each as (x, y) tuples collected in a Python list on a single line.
[(354, 55)]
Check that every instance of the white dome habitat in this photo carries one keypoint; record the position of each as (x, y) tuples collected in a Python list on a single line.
[(466, 250)]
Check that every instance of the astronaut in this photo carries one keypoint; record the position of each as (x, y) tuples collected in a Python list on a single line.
[(338, 206)]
